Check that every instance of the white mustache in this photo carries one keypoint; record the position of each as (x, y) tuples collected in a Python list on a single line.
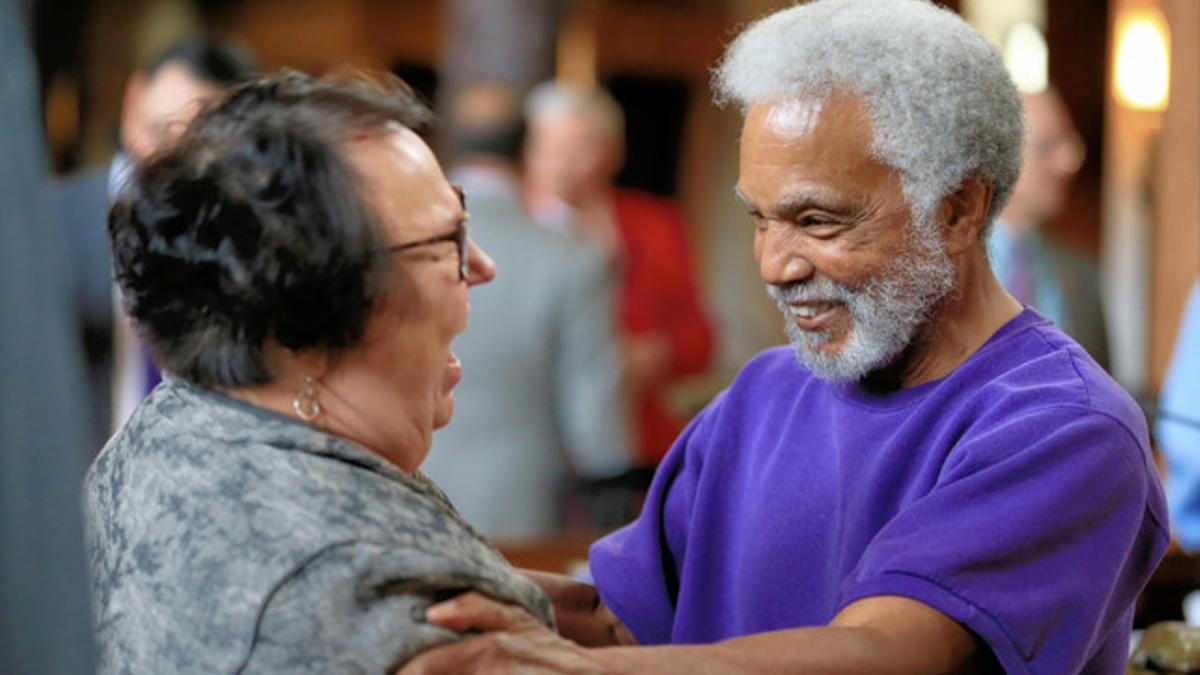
[(821, 289)]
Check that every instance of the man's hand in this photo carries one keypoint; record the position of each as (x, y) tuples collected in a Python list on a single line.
[(514, 642), (580, 613)]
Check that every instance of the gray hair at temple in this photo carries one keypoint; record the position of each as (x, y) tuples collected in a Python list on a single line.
[(550, 98), (941, 102)]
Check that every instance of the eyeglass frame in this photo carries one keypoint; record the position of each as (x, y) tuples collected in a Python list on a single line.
[(460, 236)]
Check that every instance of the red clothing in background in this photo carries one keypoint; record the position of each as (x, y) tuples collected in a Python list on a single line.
[(659, 295)]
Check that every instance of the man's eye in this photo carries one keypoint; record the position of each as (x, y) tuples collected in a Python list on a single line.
[(816, 220)]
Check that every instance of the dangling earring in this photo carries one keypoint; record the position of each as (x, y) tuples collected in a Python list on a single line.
[(305, 403)]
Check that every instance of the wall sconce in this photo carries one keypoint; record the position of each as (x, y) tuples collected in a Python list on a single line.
[(1027, 58), (1142, 76)]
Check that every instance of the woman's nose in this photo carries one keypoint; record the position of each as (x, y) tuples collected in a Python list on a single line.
[(480, 268)]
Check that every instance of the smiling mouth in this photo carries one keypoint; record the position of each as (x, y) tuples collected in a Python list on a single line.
[(454, 372), (812, 316), (812, 309)]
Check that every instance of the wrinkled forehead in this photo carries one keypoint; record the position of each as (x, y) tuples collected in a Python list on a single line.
[(793, 118), (839, 111), (401, 177), (832, 124), (814, 149)]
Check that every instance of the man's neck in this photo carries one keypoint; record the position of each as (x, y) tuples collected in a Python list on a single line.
[(962, 324)]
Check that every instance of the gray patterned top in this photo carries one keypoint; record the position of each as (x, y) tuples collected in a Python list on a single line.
[(228, 539)]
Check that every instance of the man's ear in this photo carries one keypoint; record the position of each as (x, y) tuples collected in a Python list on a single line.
[(964, 214)]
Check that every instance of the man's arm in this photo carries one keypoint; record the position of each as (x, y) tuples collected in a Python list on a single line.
[(882, 635)]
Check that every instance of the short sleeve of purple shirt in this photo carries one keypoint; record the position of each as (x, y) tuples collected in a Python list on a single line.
[(1016, 496)]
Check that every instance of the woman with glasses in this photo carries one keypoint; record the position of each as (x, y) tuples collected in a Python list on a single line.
[(299, 265)]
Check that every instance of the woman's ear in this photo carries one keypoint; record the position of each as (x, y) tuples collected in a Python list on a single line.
[(290, 365), (314, 362), (964, 215)]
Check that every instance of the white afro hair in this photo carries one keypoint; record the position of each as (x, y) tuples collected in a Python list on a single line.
[(941, 102)]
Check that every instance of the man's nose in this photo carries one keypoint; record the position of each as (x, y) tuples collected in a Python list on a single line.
[(480, 268), (782, 258)]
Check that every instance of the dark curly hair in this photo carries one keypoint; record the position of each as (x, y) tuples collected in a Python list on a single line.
[(253, 228)]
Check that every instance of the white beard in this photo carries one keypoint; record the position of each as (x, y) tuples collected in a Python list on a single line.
[(886, 311)]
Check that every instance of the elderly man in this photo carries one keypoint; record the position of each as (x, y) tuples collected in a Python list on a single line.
[(938, 480)]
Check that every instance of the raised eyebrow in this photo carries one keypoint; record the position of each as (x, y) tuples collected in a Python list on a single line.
[(790, 203), (802, 200)]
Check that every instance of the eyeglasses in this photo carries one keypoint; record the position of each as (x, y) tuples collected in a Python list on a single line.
[(458, 236)]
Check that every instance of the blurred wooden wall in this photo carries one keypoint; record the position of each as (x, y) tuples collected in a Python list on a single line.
[(1077, 37)]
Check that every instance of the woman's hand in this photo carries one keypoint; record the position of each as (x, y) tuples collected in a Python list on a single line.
[(514, 642), (580, 613)]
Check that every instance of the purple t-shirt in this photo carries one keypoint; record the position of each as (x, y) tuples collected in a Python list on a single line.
[(1016, 495)]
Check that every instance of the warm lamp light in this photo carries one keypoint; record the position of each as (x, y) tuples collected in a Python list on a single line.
[(1026, 57), (1143, 71)]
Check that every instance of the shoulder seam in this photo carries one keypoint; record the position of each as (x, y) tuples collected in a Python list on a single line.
[(1139, 462), (270, 595)]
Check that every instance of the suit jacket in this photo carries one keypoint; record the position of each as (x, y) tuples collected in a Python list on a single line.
[(44, 628), (1066, 285), (224, 538), (540, 402), (82, 211)]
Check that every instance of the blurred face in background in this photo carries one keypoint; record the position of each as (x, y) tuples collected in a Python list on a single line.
[(569, 156), (158, 108), (1053, 154)]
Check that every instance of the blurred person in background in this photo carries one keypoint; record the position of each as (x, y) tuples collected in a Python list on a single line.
[(1061, 283), (160, 99), (44, 622), (1178, 428), (542, 406), (299, 265), (574, 152)]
